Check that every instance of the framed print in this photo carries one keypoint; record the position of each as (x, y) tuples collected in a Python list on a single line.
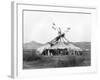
[(52, 39)]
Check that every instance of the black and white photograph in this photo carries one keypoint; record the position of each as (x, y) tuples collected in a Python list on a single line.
[(56, 39)]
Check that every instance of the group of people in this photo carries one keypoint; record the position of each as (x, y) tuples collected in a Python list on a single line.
[(52, 52)]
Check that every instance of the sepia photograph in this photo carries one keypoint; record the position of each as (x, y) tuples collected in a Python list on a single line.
[(56, 39)]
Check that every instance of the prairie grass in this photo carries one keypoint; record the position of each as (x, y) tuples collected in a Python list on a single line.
[(33, 61)]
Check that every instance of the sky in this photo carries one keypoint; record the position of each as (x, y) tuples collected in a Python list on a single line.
[(38, 26)]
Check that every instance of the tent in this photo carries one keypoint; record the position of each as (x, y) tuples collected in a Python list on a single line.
[(59, 42), (59, 45)]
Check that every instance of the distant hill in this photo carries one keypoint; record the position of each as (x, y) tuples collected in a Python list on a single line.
[(35, 45), (32, 45), (83, 45)]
